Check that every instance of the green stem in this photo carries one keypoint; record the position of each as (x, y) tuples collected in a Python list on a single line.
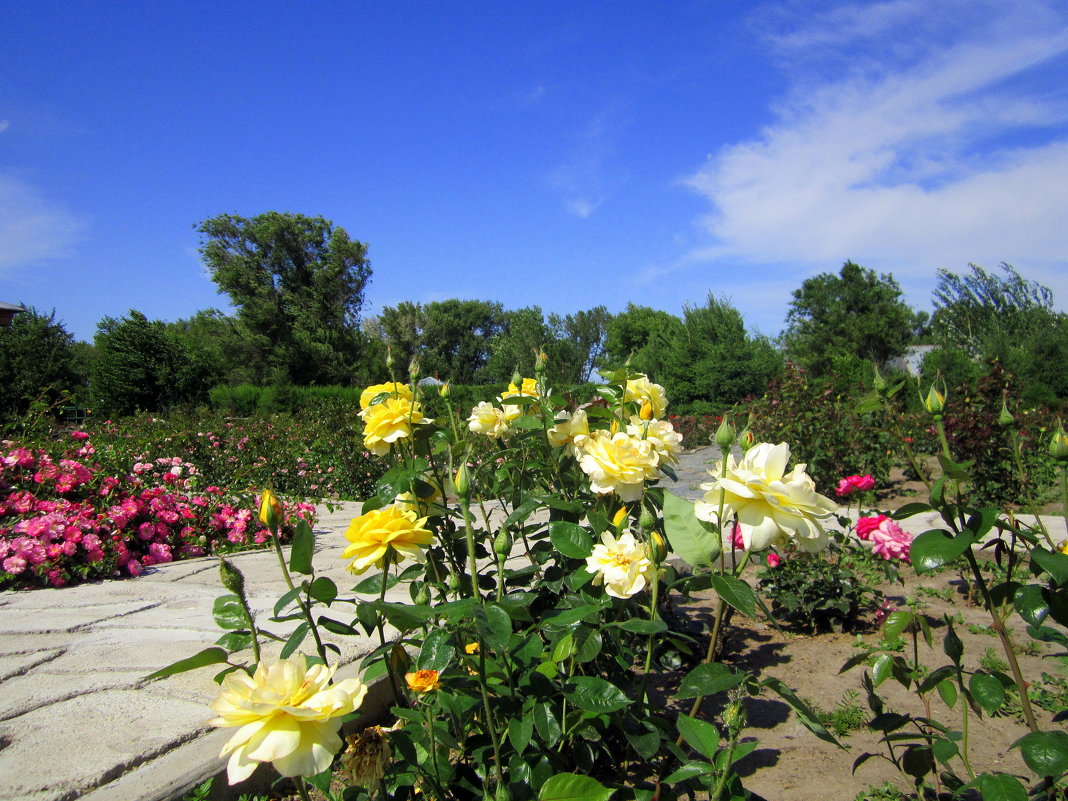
[(1064, 491), (302, 789), (433, 744), (653, 616), (382, 634), (1032, 507), (964, 727), (305, 610)]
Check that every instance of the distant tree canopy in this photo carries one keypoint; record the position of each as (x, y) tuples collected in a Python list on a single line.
[(835, 321), (641, 334), (38, 359), (297, 283)]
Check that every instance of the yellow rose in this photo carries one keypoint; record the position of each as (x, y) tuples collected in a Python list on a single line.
[(391, 531), (641, 389), (422, 681), (489, 420), (618, 463), (622, 565), (289, 714), (666, 441), (389, 421), (391, 388), (772, 506), (568, 428), (270, 510), (528, 387)]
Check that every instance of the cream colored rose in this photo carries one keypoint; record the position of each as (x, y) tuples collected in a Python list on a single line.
[(289, 714), (618, 463), (621, 564), (666, 441), (489, 420), (642, 389), (771, 505), (568, 428)]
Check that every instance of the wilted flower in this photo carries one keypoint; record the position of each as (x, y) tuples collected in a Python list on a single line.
[(621, 564), (422, 681), (618, 463), (489, 420), (390, 532), (367, 757), (772, 506), (389, 421), (851, 484), (641, 389), (289, 714)]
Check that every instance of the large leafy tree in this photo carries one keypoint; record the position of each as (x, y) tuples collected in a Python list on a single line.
[(515, 347), (297, 283), (577, 343), (641, 334), (38, 360), (850, 317)]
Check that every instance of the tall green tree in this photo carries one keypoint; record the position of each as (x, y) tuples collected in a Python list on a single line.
[(38, 360), (643, 335), (577, 342), (713, 362), (844, 319), (297, 283), (515, 347)]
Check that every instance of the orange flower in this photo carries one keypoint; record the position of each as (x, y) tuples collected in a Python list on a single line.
[(422, 681)]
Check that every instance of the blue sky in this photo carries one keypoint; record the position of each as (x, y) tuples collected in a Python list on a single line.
[(559, 154)]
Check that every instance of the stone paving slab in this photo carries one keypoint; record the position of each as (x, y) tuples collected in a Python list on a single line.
[(77, 719)]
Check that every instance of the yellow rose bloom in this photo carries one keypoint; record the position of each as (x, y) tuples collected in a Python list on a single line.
[(422, 681), (423, 507), (528, 387), (622, 565), (618, 463), (772, 506), (391, 387), (389, 421), (289, 714), (391, 530), (666, 441), (489, 420), (270, 509), (568, 428), (641, 389)]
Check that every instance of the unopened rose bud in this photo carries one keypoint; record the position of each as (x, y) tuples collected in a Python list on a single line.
[(422, 598), (1058, 446), (725, 436), (462, 482), (657, 547), (541, 360), (619, 517), (502, 544), (413, 368), (389, 358), (270, 510), (935, 401), (443, 390), (647, 520), (747, 440), (614, 428), (646, 412), (1005, 418), (453, 582), (878, 382), (517, 378)]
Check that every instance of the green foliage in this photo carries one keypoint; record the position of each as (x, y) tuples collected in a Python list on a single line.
[(714, 361), (576, 344), (855, 314), (641, 334), (297, 283), (514, 348), (38, 360)]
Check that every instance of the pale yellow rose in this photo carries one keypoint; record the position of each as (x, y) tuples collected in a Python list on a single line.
[(568, 428), (528, 388), (391, 532), (621, 564), (392, 388), (289, 714), (667, 442), (642, 389), (489, 420), (771, 505), (618, 463), (389, 421)]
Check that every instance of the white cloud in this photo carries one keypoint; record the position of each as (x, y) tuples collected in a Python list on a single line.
[(913, 160), (587, 174), (32, 228), (4, 125)]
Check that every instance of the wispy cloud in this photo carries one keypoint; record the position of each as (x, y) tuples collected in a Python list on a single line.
[(32, 228), (935, 147), (584, 177)]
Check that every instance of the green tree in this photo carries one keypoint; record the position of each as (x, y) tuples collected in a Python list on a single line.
[(577, 342), (38, 359), (641, 334), (215, 349), (514, 348), (297, 283), (713, 363), (836, 321), (139, 366)]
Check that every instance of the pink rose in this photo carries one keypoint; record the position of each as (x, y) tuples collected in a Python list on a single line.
[(774, 560), (866, 525), (890, 542), (736, 538), (851, 484)]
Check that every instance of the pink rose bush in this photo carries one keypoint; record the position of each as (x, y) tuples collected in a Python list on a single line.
[(851, 484), (67, 520)]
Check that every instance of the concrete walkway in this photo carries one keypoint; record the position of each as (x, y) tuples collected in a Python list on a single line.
[(78, 720)]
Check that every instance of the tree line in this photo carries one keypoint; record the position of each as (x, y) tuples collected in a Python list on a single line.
[(297, 286)]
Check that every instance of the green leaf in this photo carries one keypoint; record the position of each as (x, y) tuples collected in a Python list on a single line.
[(869, 403), (564, 648), (403, 617), (520, 730), (998, 787), (286, 599), (896, 622), (235, 641), (323, 590), (691, 770), (294, 641), (935, 548), (567, 617), (944, 749), (809, 719), (880, 671), (546, 723), (437, 650), (639, 625), (495, 626), (1031, 604), (735, 592), (951, 645), (910, 509), (572, 787), (1052, 562), (1045, 752), (688, 538), (337, 627), (703, 737), (300, 552), (594, 694), (373, 584), (987, 692), (228, 613), (947, 691), (209, 656), (570, 539), (708, 678), (953, 469)]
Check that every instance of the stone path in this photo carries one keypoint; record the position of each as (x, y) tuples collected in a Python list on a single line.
[(78, 719)]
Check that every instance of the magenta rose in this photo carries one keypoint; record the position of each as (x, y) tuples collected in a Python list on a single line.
[(866, 525), (851, 484)]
